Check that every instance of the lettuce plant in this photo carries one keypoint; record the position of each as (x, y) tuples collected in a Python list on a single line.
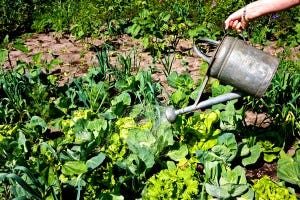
[(172, 184), (288, 168), (265, 188)]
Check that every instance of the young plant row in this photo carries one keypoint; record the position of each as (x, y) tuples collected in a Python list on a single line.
[(104, 136)]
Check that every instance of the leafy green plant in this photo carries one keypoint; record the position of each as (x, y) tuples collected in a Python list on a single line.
[(15, 86), (231, 117), (16, 17), (220, 180), (265, 188), (232, 184), (288, 168), (93, 95), (172, 184), (183, 84), (270, 148), (151, 26), (249, 153), (167, 62)]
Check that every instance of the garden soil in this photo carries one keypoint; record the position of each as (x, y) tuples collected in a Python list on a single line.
[(78, 55)]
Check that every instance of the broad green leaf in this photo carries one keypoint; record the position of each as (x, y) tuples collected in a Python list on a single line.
[(2, 176), (172, 79), (134, 30), (38, 124), (269, 157), (179, 98), (45, 146), (164, 136), (249, 195), (24, 185), (74, 167), (170, 164), (137, 110), (178, 154), (244, 150), (97, 125), (213, 171), (22, 142), (164, 16), (227, 146), (120, 102), (142, 143), (234, 176), (218, 89), (254, 155), (146, 42), (37, 58), (53, 63), (183, 81), (82, 134), (207, 156), (237, 190), (95, 161), (29, 174), (21, 47), (48, 175), (288, 169), (216, 191)]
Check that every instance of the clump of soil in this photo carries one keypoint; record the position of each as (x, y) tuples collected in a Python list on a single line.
[(257, 172)]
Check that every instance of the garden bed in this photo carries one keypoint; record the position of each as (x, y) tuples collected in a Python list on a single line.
[(78, 55)]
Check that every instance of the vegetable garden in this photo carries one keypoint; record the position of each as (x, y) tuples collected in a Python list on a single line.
[(104, 135)]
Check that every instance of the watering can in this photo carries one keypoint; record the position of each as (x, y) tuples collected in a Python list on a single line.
[(234, 63)]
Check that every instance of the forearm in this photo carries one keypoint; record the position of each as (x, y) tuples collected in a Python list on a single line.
[(263, 7)]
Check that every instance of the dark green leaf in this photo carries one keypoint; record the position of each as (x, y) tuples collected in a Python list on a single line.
[(178, 154), (95, 161), (74, 167)]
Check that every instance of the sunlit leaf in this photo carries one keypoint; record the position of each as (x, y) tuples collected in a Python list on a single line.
[(74, 168)]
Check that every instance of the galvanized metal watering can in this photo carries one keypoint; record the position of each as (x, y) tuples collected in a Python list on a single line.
[(235, 63)]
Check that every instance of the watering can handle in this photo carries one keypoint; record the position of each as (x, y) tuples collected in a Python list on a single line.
[(203, 55)]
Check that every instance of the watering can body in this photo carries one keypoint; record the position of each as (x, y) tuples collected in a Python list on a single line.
[(235, 63), (244, 67)]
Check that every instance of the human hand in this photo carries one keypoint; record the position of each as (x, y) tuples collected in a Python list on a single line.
[(237, 20)]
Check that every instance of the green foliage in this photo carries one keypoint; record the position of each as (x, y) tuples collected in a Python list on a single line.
[(172, 184), (249, 155), (265, 188), (281, 27), (230, 116), (199, 131), (16, 17), (184, 85), (232, 184), (288, 168), (104, 135), (221, 181)]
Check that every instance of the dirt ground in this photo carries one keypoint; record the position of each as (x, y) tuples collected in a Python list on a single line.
[(78, 55)]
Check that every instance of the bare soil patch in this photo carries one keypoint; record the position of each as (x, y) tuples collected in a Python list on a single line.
[(78, 55)]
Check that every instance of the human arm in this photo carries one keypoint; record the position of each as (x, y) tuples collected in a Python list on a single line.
[(239, 19)]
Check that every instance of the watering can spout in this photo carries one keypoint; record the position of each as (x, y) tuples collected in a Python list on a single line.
[(171, 113)]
